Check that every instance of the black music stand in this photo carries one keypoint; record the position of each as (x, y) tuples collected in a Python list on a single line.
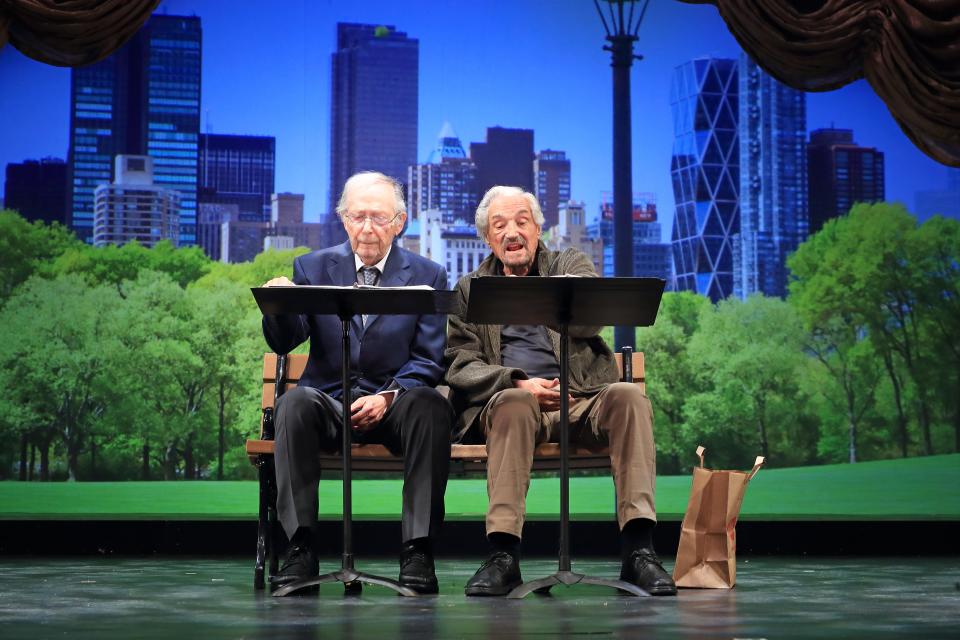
[(346, 302), (561, 302)]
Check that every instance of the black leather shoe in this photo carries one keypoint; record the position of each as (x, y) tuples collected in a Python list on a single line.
[(417, 571), (299, 562), (643, 569), (497, 576)]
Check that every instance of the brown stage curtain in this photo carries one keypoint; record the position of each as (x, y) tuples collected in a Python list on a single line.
[(71, 33), (908, 50)]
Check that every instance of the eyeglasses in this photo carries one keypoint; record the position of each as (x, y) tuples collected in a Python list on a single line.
[(377, 220)]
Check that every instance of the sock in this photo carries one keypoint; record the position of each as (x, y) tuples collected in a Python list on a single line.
[(637, 534), (500, 541), (420, 545), (302, 537)]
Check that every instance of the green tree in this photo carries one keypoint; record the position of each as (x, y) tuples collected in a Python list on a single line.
[(670, 376), (115, 264), (56, 358), (937, 247), (233, 358), (874, 273), (25, 247), (836, 329), (167, 373), (266, 265), (747, 359)]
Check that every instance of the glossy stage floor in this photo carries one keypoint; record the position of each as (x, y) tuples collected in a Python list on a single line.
[(178, 597)]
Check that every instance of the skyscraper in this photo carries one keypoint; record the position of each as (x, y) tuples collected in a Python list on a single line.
[(142, 100), (238, 170), (705, 169), (571, 231), (773, 181), (552, 172), (447, 182), (840, 174), (242, 240), (134, 207), (651, 256), (506, 158), (37, 189), (373, 123)]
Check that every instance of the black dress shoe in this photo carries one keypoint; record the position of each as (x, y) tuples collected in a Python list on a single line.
[(643, 569), (299, 563), (498, 576), (417, 571)]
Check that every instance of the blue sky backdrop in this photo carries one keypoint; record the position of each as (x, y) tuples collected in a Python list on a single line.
[(535, 64)]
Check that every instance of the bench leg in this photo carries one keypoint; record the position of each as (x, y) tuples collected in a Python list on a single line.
[(273, 523), (263, 524)]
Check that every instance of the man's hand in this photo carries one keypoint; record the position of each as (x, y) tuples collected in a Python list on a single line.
[(367, 411), (282, 281), (547, 392)]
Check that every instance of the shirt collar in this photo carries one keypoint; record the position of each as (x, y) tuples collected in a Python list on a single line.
[(359, 263)]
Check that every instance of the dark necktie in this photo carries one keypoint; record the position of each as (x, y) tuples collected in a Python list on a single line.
[(368, 275)]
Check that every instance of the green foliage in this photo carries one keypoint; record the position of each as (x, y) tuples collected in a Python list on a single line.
[(670, 373), (747, 365), (874, 276), (128, 362), (113, 264), (267, 265), (25, 247), (57, 352)]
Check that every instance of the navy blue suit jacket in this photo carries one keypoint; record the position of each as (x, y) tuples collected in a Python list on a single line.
[(390, 352)]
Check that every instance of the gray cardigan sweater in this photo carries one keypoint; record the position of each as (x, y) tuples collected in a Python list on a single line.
[(474, 369)]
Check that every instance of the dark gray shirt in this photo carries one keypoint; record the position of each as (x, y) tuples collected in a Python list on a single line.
[(528, 347)]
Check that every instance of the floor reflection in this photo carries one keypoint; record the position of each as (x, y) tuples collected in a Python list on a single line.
[(213, 598)]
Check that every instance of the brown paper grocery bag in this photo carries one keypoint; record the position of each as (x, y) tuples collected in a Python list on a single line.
[(707, 556)]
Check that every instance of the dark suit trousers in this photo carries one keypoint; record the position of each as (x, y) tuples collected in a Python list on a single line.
[(417, 425)]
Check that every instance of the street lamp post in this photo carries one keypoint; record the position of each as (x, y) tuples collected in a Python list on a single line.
[(621, 24)]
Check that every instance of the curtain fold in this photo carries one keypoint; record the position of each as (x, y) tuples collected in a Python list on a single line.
[(71, 33), (908, 50)]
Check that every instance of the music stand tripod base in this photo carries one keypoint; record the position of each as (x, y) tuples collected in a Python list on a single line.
[(542, 586), (351, 580)]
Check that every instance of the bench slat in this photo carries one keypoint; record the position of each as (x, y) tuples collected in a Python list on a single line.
[(457, 451), (639, 375), (296, 363), (470, 457)]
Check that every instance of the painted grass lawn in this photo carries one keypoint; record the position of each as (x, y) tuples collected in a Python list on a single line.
[(913, 489)]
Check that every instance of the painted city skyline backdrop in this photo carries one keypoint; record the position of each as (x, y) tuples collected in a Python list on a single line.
[(534, 64)]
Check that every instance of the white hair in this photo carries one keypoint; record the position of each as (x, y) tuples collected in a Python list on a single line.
[(498, 191), (367, 178)]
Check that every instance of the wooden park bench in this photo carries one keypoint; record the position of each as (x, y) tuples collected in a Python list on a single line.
[(281, 373)]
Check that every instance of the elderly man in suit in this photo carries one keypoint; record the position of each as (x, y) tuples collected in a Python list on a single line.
[(394, 367), (505, 380)]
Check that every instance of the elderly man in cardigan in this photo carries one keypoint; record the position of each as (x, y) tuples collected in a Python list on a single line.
[(505, 382)]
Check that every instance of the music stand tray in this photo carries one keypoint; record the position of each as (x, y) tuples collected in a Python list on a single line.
[(560, 302), (346, 302)]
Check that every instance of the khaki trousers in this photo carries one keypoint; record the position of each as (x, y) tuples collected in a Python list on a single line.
[(620, 416)]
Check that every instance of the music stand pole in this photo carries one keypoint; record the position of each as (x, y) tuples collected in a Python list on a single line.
[(350, 577)]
